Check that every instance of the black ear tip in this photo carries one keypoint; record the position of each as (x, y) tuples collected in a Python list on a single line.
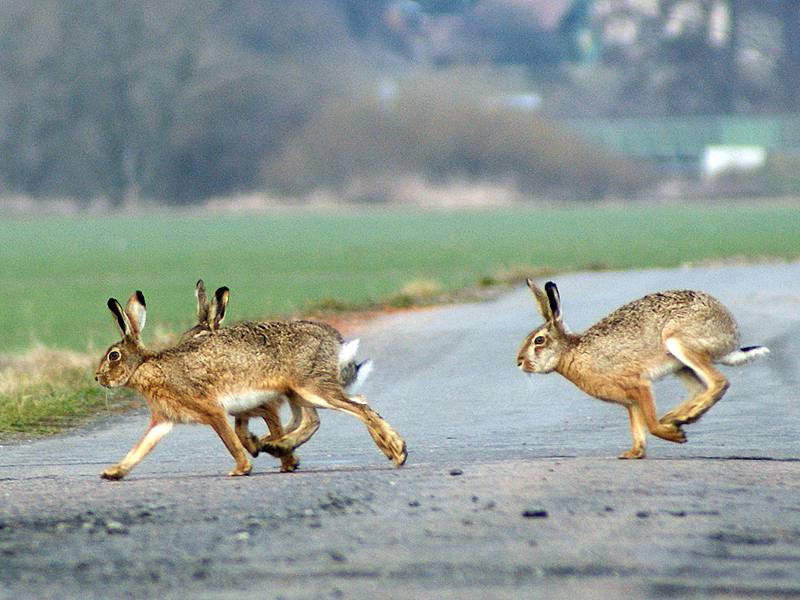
[(140, 298), (112, 303), (550, 285), (221, 292), (200, 284)]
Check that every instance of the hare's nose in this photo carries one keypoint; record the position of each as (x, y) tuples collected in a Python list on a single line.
[(520, 360)]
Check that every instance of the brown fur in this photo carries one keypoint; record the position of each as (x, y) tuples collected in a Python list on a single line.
[(617, 358), (188, 382), (305, 420), (210, 315)]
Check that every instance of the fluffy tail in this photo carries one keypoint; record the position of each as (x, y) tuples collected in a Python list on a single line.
[(351, 373), (348, 352), (744, 355)]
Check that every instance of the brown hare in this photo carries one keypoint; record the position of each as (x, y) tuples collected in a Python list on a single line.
[(234, 371), (681, 332), (305, 420)]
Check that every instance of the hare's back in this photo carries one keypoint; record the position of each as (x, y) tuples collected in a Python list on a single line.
[(639, 326), (259, 345), (282, 340)]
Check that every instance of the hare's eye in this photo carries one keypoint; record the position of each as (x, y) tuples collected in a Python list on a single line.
[(538, 340), (114, 356)]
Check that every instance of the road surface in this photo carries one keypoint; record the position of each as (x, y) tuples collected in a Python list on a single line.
[(511, 489)]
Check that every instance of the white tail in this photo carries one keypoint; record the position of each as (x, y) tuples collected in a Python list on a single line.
[(348, 352), (744, 355), (364, 369)]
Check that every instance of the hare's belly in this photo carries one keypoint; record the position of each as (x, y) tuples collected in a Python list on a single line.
[(247, 401)]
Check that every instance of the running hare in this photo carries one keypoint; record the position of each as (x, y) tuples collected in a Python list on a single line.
[(615, 360), (305, 420), (234, 371)]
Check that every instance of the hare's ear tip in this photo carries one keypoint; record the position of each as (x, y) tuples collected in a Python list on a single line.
[(529, 282), (112, 303), (140, 297), (200, 284), (222, 292)]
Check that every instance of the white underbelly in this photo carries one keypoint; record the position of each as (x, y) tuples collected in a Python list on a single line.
[(242, 402)]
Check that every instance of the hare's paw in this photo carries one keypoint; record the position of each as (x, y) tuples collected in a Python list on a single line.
[(399, 452), (289, 463), (252, 444), (671, 432), (633, 453), (114, 473), (276, 450), (241, 470), (671, 418)]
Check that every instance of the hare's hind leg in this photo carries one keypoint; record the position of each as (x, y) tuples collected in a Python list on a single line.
[(638, 431), (305, 422), (703, 370), (694, 386), (155, 431), (386, 438)]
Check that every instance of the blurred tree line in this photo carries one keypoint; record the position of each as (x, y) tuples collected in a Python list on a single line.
[(183, 100)]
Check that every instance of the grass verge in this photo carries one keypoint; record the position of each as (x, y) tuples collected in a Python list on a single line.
[(56, 274), (45, 391)]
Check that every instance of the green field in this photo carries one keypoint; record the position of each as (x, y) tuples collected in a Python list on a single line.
[(56, 274)]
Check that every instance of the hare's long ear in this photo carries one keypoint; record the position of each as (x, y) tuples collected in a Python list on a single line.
[(120, 318), (202, 302), (219, 306), (541, 300), (554, 300), (137, 313)]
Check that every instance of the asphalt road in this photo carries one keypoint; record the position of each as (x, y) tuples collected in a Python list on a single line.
[(511, 489)]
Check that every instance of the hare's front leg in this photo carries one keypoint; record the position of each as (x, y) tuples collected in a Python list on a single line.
[(155, 431), (289, 462), (642, 396), (305, 422), (638, 431), (223, 428), (253, 444), (249, 440)]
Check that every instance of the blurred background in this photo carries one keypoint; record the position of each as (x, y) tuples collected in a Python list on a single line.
[(258, 102)]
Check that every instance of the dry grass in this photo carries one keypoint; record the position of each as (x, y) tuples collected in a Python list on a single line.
[(46, 391)]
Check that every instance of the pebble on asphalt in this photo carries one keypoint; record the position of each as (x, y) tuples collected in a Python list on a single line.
[(116, 528)]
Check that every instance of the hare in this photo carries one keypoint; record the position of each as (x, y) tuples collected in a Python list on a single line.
[(235, 371), (682, 332), (305, 420)]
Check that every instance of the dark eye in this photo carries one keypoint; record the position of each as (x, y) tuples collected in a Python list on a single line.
[(113, 356), (538, 340)]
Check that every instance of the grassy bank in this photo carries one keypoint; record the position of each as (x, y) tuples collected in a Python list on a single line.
[(46, 391), (56, 274)]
